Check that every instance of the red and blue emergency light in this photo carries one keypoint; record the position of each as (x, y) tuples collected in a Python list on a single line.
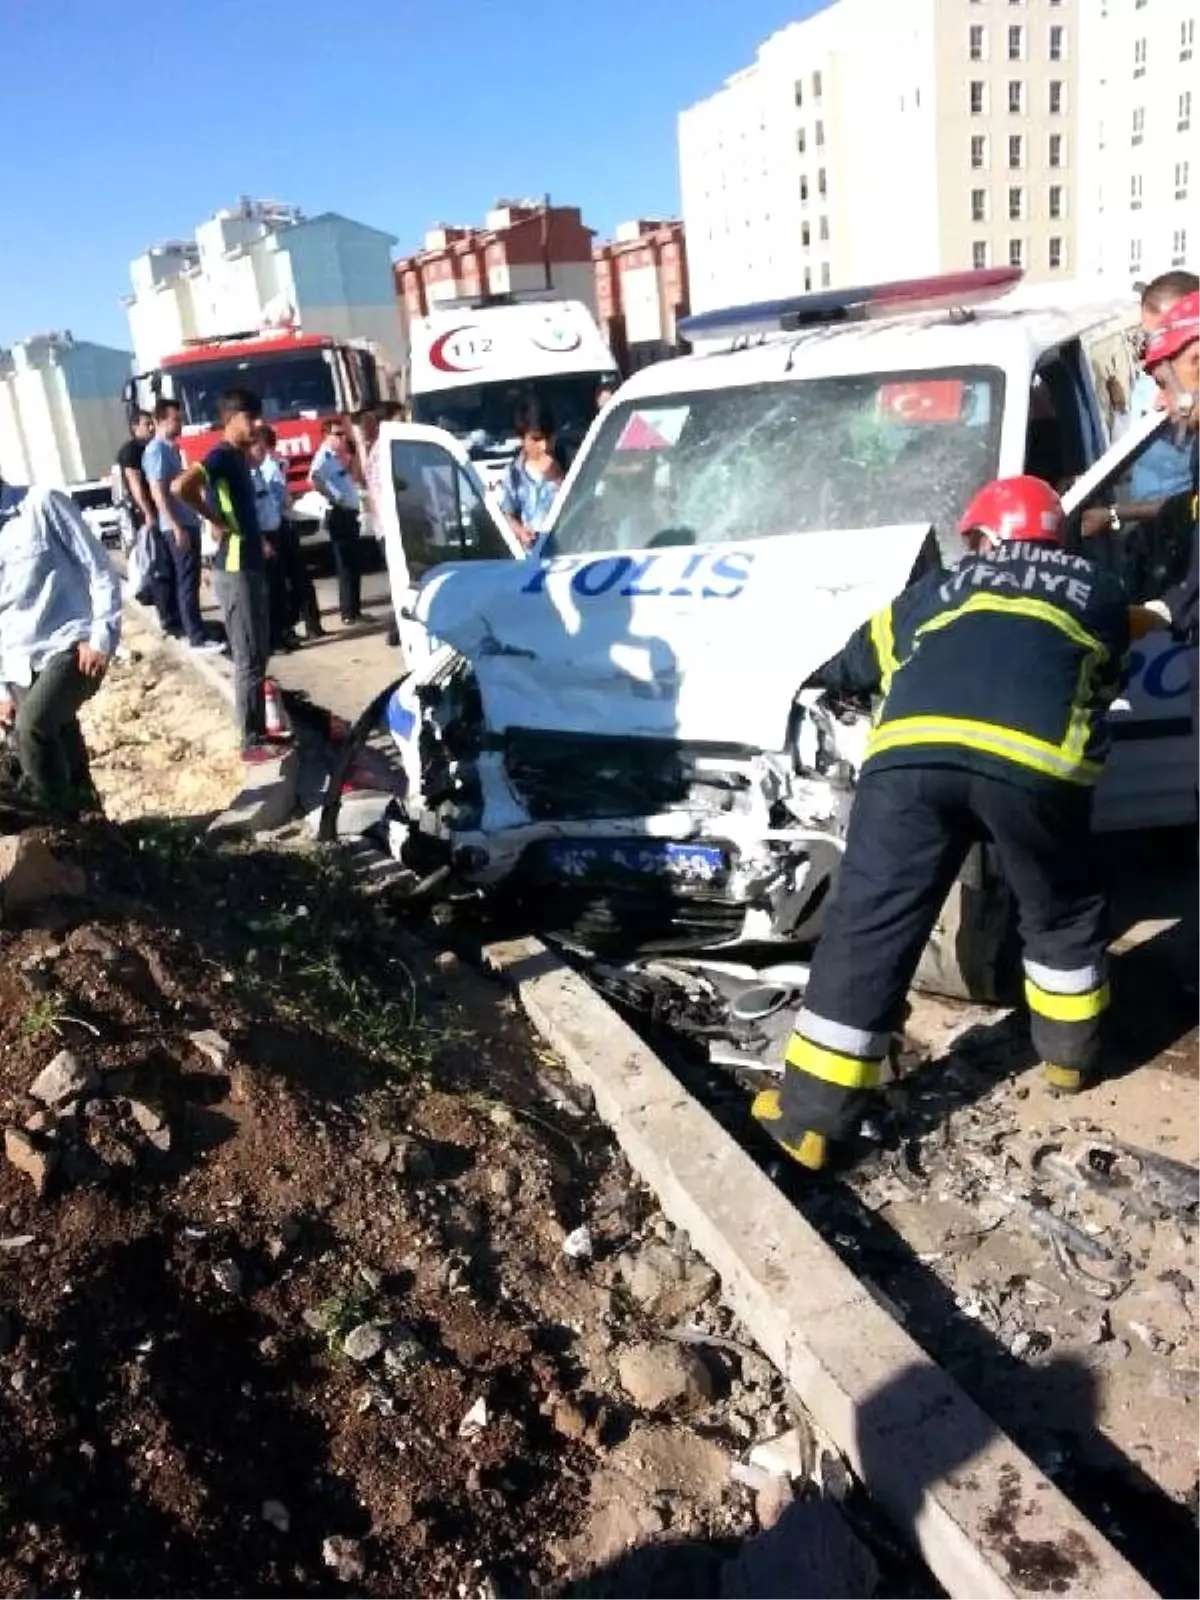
[(946, 291)]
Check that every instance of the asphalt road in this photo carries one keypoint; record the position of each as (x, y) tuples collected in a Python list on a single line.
[(346, 669)]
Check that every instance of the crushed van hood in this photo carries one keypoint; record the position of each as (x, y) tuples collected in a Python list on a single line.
[(703, 643)]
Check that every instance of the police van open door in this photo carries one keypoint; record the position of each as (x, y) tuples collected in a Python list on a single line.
[(1150, 778), (434, 509)]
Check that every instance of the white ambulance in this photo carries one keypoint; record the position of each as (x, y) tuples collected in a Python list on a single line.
[(472, 363)]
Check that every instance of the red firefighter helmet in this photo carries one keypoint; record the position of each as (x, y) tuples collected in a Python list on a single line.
[(1014, 508), (1179, 328)]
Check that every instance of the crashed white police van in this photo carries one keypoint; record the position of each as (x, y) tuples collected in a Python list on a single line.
[(617, 727)]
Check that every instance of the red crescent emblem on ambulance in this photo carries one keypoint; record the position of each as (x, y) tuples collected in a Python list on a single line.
[(439, 359)]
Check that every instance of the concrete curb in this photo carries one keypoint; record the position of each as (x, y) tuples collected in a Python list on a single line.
[(986, 1520), (268, 796)]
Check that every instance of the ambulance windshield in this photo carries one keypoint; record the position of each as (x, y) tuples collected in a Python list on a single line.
[(728, 465)]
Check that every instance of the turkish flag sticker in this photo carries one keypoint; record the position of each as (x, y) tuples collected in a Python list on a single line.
[(922, 400)]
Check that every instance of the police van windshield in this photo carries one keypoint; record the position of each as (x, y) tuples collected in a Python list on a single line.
[(289, 386), (716, 466), (482, 414)]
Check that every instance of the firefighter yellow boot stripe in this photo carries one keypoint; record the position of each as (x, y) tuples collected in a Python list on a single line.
[(811, 1149), (1065, 1080), (847, 1072), (1066, 1007)]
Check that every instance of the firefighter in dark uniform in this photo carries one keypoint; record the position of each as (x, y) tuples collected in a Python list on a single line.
[(996, 679)]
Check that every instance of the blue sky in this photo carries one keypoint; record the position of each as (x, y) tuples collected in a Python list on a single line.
[(122, 125)]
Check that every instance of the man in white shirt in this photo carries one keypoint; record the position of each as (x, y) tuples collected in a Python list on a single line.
[(60, 622), (332, 478)]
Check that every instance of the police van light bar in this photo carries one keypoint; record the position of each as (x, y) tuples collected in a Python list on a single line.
[(945, 291)]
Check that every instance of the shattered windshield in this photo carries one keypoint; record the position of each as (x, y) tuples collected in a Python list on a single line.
[(723, 465)]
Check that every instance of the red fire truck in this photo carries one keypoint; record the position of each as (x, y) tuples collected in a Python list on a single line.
[(301, 378)]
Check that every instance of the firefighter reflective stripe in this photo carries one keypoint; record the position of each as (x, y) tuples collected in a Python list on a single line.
[(884, 640), (840, 1036), (233, 544), (1056, 980), (1063, 760), (1066, 1007), (1009, 744), (847, 1072), (1021, 606)]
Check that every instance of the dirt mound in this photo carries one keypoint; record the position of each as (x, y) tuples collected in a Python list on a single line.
[(323, 1289)]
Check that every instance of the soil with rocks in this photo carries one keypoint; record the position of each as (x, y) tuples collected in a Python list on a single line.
[(162, 744), (316, 1277)]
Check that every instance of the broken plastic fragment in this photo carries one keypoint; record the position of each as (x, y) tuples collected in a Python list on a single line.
[(475, 1421), (577, 1246)]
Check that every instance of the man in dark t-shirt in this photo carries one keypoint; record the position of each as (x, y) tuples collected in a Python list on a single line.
[(221, 489), (132, 494)]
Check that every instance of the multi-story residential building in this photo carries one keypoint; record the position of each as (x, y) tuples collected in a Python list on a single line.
[(1139, 88), (259, 261), (642, 290), (523, 246), (62, 418), (886, 138)]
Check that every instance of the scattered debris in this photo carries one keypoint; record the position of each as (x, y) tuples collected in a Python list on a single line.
[(344, 1558), (212, 1046), (364, 1342), (227, 1275), (788, 1455), (63, 1079), (475, 1421), (665, 1281), (578, 1246), (276, 1515), (36, 1161), (664, 1376)]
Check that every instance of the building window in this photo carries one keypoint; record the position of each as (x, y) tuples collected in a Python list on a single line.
[(979, 150), (823, 230), (1016, 149), (1056, 98), (1139, 125), (824, 274), (801, 141), (1055, 255), (805, 235), (978, 99), (799, 91), (976, 37), (1055, 204), (1179, 247), (819, 133), (1016, 204), (1187, 38), (1139, 59), (803, 191), (1016, 96), (979, 254), (821, 182), (1182, 171), (1016, 44), (978, 205), (1135, 256), (1057, 40), (1135, 192), (1185, 111), (807, 279), (1056, 149), (816, 85), (1016, 252)]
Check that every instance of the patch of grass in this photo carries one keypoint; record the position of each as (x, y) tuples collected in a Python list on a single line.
[(341, 1314), (44, 1016)]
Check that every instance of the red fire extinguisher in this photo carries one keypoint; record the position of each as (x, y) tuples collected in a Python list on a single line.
[(278, 724)]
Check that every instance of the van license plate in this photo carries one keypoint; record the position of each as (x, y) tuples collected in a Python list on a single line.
[(660, 858)]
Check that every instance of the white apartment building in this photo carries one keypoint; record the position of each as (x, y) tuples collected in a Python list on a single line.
[(256, 262), (885, 139), (1139, 137)]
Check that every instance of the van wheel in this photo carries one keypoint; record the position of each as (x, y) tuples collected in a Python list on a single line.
[(974, 952)]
